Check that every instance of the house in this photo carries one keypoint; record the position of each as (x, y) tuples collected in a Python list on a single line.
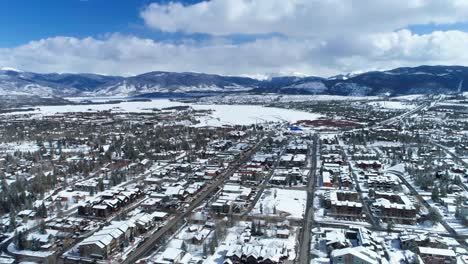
[(30, 214), (159, 216), (326, 179), (361, 255), (96, 247), (170, 255), (107, 240), (151, 204), (41, 241), (91, 186), (412, 241), (252, 254), (385, 182), (369, 164), (198, 218), (102, 210), (282, 233), (437, 255), (462, 211)]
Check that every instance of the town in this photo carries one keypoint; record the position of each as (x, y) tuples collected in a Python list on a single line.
[(367, 180)]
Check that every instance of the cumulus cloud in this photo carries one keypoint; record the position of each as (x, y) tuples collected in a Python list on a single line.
[(312, 37), (302, 18), (129, 55)]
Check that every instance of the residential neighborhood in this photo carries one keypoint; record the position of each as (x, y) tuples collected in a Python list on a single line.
[(160, 186)]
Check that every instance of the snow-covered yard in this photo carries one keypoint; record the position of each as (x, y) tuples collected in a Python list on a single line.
[(290, 202)]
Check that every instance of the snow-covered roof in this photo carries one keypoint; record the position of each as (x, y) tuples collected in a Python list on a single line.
[(437, 251)]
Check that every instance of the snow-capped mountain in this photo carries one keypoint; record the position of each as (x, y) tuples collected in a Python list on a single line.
[(170, 82), (400, 81), (29, 83)]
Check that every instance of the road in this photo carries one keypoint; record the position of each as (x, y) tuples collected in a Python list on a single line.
[(263, 185), (150, 243), (304, 239), (406, 114), (373, 221)]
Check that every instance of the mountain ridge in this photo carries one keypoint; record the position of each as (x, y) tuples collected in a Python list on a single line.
[(395, 82)]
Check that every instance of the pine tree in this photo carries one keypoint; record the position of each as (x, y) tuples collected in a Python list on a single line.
[(434, 216), (42, 211), (20, 239), (12, 221), (205, 250), (253, 230), (101, 185), (435, 194), (390, 226), (42, 227)]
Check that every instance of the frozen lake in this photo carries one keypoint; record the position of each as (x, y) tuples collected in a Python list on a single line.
[(222, 114)]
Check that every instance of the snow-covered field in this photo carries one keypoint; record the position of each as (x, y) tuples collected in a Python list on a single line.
[(392, 105), (222, 114), (291, 202)]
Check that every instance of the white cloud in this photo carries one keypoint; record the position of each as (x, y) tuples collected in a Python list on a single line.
[(317, 37), (128, 55), (302, 18)]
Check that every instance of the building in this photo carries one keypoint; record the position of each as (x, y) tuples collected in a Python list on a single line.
[(354, 255), (343, 203), (437, 255), (394, 207)]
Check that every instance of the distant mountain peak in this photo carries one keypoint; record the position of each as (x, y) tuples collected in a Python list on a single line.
[(399, 81), (10, 69)]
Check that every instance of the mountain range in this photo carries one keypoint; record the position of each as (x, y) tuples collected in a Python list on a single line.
[(399, 81)]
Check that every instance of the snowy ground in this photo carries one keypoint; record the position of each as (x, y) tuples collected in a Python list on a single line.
[(268, 98), (291, 202), (19, 146), (392, 104), (222, 114)]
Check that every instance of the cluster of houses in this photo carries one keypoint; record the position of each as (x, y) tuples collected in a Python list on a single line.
[(353, 245), (387, 205), (360, 245), (250, 248), (109, 202), (231, 199), (334, 170), (118, 234)]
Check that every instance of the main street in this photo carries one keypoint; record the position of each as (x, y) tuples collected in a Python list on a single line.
[(304, 239), (148, 245)]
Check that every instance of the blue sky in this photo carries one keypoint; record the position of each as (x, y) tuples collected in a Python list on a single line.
[(236, 37), (29, 20)]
